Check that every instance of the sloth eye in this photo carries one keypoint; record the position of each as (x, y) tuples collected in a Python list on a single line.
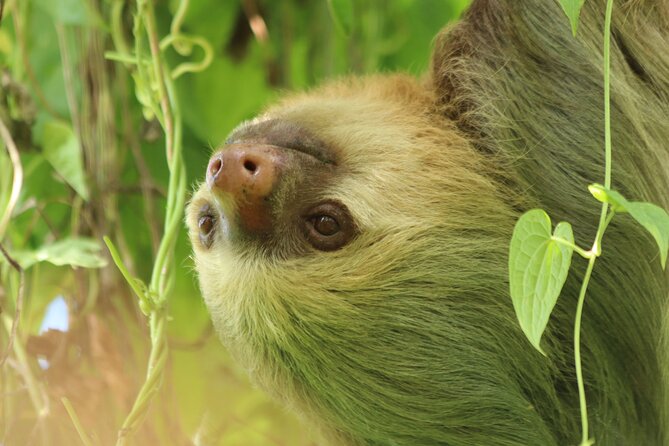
[(325, 225), (329, 226), (206, 224)]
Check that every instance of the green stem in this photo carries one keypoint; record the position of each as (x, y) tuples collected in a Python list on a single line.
[(597, 248), (577, 351), (604, 220), (116, 257), (117, 30), (75, 420), (162, 275), (153, 381), (35, 390), (582, 252), (159, 77)]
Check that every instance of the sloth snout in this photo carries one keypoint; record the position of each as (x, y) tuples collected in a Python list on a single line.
[(245, 171)]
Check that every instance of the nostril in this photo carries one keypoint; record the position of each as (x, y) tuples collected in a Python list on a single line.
[(250, 166), (215, 167)]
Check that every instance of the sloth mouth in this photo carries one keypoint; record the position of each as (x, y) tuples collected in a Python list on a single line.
[(283, 134)]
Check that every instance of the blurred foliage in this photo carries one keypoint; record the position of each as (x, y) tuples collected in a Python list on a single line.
[(92, 163)]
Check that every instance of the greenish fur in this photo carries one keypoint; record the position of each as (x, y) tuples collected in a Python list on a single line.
[(407, 335)]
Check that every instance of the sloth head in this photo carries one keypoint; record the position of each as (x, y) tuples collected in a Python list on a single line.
[(347, 242)]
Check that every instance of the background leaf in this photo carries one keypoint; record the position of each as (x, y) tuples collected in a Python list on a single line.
[(81, 252), (63, 151), (652, 217), (538, 268)]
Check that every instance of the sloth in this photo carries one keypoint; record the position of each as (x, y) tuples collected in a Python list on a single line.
[(351, 242)]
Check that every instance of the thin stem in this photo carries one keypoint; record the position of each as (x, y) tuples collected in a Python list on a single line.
[(604, 220), (179, 16), (116, 257), (597, 248), (19, 304), (582, 252), (154, 374), (607, 93), (154, 45), (117, 30), (17, 181), (162, 276), (577, 351), (37, 395), (75, 420)]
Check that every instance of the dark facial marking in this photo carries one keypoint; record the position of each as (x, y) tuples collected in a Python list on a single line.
[(283, 134)]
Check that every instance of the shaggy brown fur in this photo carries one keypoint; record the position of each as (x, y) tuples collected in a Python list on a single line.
[(406, 335)]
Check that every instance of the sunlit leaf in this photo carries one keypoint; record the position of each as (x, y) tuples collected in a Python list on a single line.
[(63, 151), (82, 252), (652, 217), (538, 267), (615, 199), (342, 15), (572, 8)]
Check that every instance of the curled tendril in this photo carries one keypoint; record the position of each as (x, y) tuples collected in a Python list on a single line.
[(183, 44)]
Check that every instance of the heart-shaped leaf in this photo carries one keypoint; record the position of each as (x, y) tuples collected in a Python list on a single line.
[(572, 8), (538, 268)]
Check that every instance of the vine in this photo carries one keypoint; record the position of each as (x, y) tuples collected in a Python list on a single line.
[(154, 87), (539, 260)]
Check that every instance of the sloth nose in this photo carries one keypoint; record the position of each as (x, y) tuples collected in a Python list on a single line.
[(247, 172)]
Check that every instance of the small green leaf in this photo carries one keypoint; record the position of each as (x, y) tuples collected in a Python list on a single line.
[(652, 217), (572, 8), (83, 252), (63, 151), (342, 15), (538, 268), (615, 199)]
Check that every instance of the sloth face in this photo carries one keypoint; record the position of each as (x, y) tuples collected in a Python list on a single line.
[(267, 189), (336, 236)]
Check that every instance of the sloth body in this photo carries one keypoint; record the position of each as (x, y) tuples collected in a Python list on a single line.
[(351, 242)]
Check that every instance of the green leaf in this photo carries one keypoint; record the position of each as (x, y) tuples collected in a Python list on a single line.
[(656, 221), (572, 8), (615, 199), (538, 267), (83, 252), (342, 15), (652, 217), (70, 12), (61, 148)]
